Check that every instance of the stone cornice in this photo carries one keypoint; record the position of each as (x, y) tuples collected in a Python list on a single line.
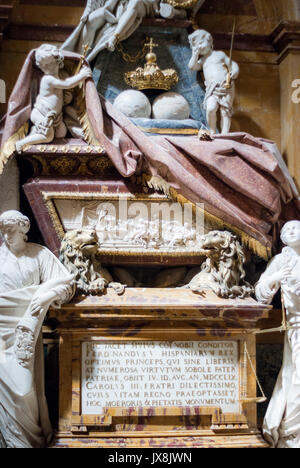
[(59, 33), (286, 38)]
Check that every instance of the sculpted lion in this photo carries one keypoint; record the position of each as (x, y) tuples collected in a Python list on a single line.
[(223, 271), (79, 255)]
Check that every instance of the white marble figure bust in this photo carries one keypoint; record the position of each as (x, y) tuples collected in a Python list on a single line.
[(217, 69), (282, 421), (31, 279)]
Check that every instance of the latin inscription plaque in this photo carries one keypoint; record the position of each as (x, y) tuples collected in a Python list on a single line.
[(159, 374)]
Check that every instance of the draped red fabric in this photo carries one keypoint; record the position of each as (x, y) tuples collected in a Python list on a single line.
[(236, 176)]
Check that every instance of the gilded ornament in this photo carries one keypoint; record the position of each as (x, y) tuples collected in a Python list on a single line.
[(151, 76)]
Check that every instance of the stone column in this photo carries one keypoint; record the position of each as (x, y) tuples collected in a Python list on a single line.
[(287, 43)]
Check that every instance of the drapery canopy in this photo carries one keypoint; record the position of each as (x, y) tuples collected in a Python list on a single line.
[(237, 177)]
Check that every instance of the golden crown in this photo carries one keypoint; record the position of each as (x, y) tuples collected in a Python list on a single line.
[(151, 76)]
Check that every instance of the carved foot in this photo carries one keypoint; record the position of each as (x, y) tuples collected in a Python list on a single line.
[(118, 287), (197, 289), (97, 286)]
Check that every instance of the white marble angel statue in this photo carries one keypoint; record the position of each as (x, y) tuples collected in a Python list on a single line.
[(282, 421), (47, 113), (31, 279), (220, 73), (105, 22)]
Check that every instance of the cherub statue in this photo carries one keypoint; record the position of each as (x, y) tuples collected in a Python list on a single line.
[(47, 114), (220, 73), (31, 279), (282, 421)]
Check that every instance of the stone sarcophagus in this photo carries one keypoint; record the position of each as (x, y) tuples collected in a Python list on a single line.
[(158, 368)]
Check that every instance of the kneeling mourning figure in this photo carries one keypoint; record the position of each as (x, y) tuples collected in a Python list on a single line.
[(31, 279), (282, 422)]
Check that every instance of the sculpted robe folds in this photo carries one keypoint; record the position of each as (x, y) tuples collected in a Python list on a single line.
[(24, 421), (282, 421)]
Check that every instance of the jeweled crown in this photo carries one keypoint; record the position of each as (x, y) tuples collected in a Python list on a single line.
[(151, 76)]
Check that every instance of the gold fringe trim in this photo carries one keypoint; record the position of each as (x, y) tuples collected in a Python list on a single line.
[(80, 106), (157, 183), (9, 146), (84, 120), (170, 131)]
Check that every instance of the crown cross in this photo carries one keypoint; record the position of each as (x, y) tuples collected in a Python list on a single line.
[(151, 44)]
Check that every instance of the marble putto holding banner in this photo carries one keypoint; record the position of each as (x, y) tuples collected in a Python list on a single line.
[(282, 421), (31, 280)]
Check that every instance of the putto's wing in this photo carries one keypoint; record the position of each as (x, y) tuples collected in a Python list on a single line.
[(93, 5)]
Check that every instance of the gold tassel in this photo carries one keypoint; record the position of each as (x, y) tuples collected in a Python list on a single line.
[(80, 106), (9, 146), (159, 184), (84, 120)]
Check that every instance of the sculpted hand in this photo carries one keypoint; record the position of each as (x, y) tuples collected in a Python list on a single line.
[(86, 73), (279, 276), (84, 18), (111, 43), (39, 303)]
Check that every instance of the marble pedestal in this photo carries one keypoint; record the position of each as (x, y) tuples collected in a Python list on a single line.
[(157, 368)]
